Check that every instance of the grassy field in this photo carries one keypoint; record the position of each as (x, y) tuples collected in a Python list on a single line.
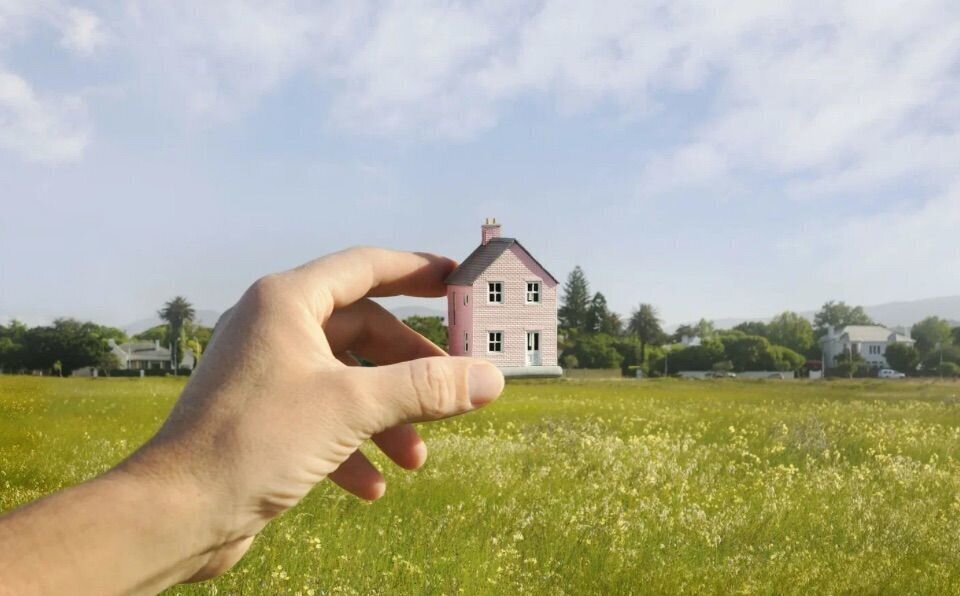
[(583, 487)]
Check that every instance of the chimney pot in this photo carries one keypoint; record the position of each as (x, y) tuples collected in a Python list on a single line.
[(489, 230)]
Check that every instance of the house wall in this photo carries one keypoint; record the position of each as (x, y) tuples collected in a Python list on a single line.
[(514, 317), (459, 319), (834, 348)]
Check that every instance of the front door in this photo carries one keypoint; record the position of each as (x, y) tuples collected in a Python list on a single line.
[(533, 348)]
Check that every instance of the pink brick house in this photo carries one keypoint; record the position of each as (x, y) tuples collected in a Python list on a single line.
[(502, 306)]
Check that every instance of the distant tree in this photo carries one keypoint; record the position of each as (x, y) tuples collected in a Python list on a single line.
[(784, 359), (705, 329), (902, 357), (930, 363), (930, 332), (177, 313), (682, 331), (71, 343), (850, 365), (575, 301), (195, 347), (956, 336), (200, 333), (949, 370), (792, 331), (597, 313), (108, 362), (159, 333), (12, 353), (107, 333), (752, 328), (701, 357), (749, 352), (600, 319), (597, 351), (838, 314), (645, 325), (431, 328)]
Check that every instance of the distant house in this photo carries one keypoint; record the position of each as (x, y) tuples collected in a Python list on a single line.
[(868, 341), (502, 306), (147, 355)]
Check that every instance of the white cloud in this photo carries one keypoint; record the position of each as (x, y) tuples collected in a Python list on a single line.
[(82, 31), (40, 128)]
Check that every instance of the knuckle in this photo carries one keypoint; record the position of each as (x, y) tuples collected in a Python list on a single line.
[(434, 387), (266, 291), (363, 251)]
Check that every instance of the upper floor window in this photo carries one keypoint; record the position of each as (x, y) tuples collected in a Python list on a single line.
[(533, 291), (495, 291)]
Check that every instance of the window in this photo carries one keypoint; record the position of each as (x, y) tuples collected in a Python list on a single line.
[(875, 350), (466, 299), (453, 310), (533, 292), (466, 341), (495, 341), (495, 291)]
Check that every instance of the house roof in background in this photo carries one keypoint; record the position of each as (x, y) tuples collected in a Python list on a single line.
[(872, 333), (480, 259)]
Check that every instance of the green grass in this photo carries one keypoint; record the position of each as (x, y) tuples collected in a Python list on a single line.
[(574, 487)]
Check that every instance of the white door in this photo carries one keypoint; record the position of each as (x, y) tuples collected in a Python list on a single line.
[(533, 348)]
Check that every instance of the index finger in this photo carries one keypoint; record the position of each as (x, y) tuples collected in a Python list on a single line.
[(342, 278)]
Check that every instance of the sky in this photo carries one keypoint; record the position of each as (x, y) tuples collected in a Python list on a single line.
[(713, 159)]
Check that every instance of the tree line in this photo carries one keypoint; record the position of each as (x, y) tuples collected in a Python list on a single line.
[(68, 344), (592, 336)]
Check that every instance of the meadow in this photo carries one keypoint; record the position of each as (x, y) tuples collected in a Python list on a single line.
[(583, 487)]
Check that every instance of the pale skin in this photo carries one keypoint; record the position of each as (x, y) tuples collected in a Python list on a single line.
[(275, 408)]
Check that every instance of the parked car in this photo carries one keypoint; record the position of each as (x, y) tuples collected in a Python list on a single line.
[(719, 374), (889, 373)]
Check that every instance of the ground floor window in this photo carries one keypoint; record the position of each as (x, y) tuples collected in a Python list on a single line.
[(495, 341), (466, 341)]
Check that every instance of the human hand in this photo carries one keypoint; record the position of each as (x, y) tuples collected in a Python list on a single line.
[(275, 406)]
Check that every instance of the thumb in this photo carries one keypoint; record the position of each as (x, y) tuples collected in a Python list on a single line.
[(429, 388)]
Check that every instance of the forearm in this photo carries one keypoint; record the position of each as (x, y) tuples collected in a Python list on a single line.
[(117, 534)]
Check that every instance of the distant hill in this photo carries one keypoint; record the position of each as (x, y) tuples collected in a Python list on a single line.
[(891, 314)]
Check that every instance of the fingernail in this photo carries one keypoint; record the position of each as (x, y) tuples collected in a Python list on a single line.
[(485, 383)]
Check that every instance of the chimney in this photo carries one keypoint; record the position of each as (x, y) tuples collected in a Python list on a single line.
[(489, 230)]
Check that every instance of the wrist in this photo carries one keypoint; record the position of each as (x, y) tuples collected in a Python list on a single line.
[(176, 516)]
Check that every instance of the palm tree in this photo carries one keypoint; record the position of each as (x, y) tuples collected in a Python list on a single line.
[(645, 324), (176, 313)]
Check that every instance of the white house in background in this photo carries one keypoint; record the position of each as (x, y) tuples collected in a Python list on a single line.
[(147, 355), (869, 341)]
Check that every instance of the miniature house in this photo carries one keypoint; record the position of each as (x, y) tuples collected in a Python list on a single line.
[(502, 307)]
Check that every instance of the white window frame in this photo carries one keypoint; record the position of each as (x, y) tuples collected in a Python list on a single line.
[(538, 292), (491, 292), (498, 341)]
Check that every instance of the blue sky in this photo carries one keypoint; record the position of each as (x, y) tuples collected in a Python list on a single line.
[(715, 162)]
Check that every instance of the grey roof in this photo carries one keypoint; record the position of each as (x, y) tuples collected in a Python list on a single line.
[(872, 333), (144, 350), (473, 266)]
